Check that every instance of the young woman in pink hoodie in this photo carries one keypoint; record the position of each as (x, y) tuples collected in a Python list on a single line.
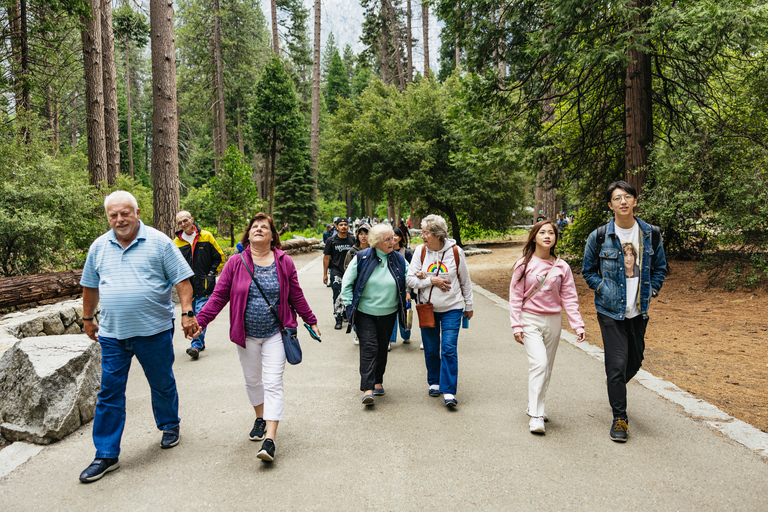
[(542, 286)]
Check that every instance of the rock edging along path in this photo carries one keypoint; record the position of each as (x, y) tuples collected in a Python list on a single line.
[(408, 452), (738, 430)]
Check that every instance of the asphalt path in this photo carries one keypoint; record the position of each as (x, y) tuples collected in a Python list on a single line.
[(408, 451)]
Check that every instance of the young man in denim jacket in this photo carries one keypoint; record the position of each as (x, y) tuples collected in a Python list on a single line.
[(624, 263)]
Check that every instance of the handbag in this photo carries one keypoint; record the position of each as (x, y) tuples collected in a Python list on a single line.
[(425, 311), (290, 334), (541, 283)]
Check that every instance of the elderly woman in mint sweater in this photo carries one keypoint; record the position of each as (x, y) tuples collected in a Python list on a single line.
[(373, 291)]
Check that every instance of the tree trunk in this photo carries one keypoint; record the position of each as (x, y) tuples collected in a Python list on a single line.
[(128, 103), (408, 42), (384, 44), (18, 290), (457, 51), (348, 198), (638, 106), (240, 142), (275, 43), (49, 107), (500, 52), (165, 123), (111, 132), (219, 79), (94, 95), (315, 128), (14, 13), (26, 102), (273, 157), (74, 119), (390, 208), (396, 42), (425, 34)]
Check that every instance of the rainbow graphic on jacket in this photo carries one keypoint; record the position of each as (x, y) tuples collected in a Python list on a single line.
[(434, 266)]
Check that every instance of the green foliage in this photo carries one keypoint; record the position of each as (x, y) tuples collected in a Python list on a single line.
[(49, 215), (234, 192), (328, 210), (305, 233), (202, 204), (574, 239), (338, 83)]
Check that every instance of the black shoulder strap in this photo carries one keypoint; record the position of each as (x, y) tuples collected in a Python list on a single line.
[(601, 235), (271, 308), (655, 236)]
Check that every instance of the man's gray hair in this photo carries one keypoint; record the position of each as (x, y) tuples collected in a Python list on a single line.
[(121, 195), (377, 234), (436, 226)]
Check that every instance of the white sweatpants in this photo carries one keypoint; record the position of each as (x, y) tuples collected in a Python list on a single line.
[(263, 362), (541, 335)]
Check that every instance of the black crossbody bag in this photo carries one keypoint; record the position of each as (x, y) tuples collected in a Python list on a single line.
[(289, 334)]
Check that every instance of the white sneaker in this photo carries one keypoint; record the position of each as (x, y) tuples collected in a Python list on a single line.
[(546, 418), (537, 425), (421, 346), (389, 347), (355, 338)]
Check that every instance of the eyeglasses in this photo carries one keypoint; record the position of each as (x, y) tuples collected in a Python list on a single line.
[(389, 239), (627, 198), (182, 222)]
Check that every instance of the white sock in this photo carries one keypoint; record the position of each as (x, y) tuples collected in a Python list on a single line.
[(448, 396), (434, 386)]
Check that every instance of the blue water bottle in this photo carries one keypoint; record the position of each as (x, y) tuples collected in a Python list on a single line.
[(465, 322)]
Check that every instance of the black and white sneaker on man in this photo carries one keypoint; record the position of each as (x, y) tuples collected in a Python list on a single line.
[(97, 469), (267, 452), (258, 430)]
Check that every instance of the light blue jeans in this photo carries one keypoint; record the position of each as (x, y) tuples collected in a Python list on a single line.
[(197, 305), (405, 334)]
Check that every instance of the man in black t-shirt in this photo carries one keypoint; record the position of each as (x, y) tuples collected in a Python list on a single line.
[(335, 252)]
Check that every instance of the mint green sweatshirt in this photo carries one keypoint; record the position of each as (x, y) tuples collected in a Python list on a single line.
[(379, 296)]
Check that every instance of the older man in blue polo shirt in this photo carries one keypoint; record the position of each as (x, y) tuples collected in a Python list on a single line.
[(132, 269)]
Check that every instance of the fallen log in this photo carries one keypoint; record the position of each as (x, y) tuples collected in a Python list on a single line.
[(18, 290), (294, 244)]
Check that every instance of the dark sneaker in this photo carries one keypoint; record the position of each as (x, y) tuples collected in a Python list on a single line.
[(257, 432), (97, 469), (202, 348), (338, 324), (434, 392), (619, 430), (378, 392), (267, 452), (193, 353), (170, 438)]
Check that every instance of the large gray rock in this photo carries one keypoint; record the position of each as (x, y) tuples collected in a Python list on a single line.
[(48, 387)]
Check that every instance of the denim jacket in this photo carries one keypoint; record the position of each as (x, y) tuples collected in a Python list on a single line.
[(396, 265), (603, 269)]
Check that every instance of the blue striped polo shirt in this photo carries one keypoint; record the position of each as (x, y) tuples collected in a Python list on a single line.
[(134, 283)]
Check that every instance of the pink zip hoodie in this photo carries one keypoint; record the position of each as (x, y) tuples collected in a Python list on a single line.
[(558, 292)]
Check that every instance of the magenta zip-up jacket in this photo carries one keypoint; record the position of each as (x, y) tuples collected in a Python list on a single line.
[(233, 285)]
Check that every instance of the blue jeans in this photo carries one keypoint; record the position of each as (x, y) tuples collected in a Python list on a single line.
[(155, 354), (405, 334), (441, 354), (197, 305)]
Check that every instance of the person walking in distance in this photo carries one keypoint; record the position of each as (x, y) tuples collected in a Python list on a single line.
[(334, 256), (623, 295), (131, 269), (202, 252), (542, 286)]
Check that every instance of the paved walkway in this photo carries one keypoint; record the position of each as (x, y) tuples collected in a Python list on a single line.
[(408, 452)]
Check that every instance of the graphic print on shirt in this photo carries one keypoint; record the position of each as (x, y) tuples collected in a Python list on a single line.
[(630, 247), (547, 285), (437, 268)]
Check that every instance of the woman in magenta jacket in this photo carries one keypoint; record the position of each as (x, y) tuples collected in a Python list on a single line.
[(253, 328)]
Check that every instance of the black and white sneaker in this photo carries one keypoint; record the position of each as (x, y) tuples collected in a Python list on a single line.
[(258, 430), (338, 324), (170, 438), (267, 452), (97, 469)]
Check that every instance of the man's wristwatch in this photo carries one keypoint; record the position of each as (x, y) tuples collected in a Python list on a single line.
[(188, 313)]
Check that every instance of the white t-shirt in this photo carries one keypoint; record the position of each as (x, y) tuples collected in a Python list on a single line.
[(189, 238), (630, 244)]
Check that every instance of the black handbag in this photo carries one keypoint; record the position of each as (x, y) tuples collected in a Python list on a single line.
[(290, 334)]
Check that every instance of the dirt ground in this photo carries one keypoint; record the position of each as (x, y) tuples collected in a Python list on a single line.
[(709, 342)]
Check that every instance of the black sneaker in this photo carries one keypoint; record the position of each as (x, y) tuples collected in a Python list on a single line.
[(267, 452), (619, 430), (193, 353), (257, 432), (97, 469), (170, 438), (202, 348), (338, 324)]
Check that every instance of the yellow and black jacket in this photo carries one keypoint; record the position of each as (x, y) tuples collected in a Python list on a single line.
[(204, 257)]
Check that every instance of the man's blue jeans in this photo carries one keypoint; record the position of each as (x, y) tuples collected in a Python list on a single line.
[(197, 305), (155, 354), (440, 350)]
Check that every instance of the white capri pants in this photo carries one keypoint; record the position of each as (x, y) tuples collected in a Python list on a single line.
[(541, 336), (263, 362)]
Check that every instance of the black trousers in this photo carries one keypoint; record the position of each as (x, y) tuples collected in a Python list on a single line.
[(624, 344), (374, 333)]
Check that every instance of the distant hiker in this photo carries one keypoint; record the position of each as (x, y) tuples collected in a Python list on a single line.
[(542, 286), (541, 216), (205, 258), (622, 294), (333, 259)]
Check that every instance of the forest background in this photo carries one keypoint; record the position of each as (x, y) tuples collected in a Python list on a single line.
[(209, 106)]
